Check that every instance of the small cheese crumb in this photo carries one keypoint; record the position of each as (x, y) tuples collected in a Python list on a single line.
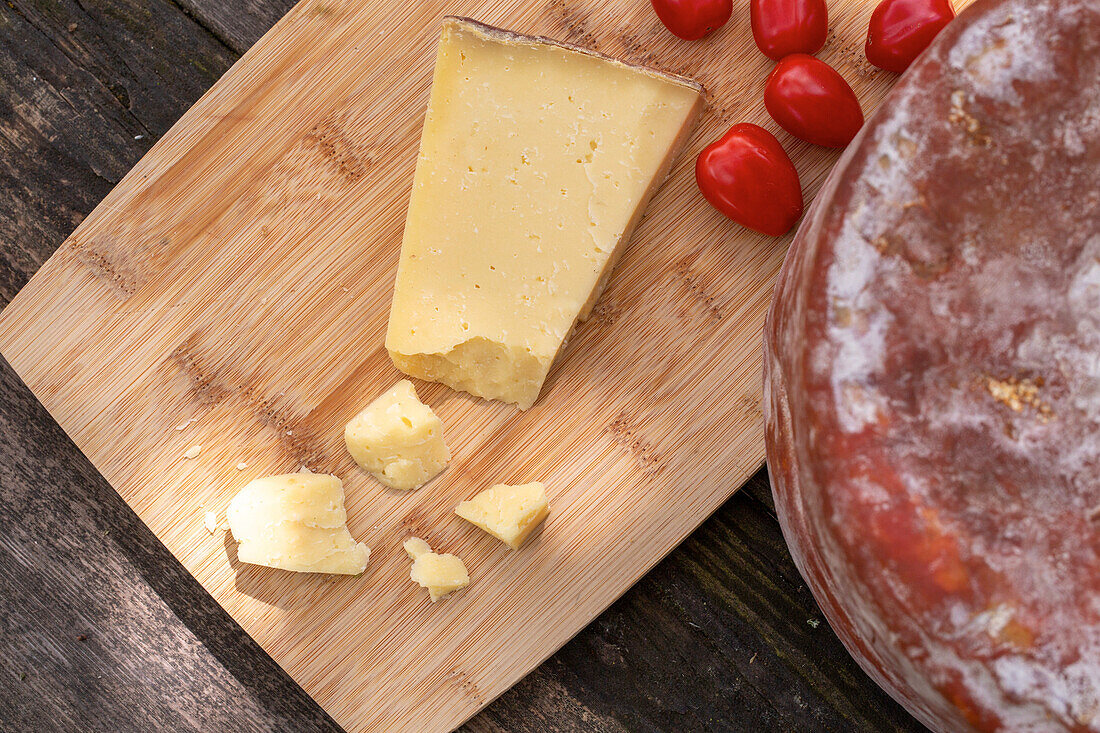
[(304, 469), (242, 466), (211, 522), (440, 574), (181, 426), (416, 547), (193, 452)]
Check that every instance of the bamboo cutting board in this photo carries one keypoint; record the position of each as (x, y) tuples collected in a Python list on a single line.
[(232, 292)]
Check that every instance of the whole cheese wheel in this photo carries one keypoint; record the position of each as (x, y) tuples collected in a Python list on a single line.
[(932, 378)]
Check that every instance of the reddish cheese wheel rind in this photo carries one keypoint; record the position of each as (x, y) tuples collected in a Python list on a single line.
[(932, 378)]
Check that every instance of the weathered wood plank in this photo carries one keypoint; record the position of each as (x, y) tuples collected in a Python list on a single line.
[(716, 637), (237, 24)]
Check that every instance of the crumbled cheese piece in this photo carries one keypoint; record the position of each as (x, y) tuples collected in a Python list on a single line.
[(193, 452), (242, 466), (398, 439), (416, 547), (296, 522), (440, 574), (210, 519)]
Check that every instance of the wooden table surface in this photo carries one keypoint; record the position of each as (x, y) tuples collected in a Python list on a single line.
[(101, 629)]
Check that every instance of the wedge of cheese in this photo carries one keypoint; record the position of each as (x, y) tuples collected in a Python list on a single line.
[(509, 513), (536, 161)]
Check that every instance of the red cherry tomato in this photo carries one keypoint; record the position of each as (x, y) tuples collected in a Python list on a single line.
[(748, 176), (692, 19), (811, 101), (901, 29), (783, 27)]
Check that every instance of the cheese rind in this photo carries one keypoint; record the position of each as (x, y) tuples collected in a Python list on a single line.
[(398, 439), (440, 574), (295, 522), (536, 161), (509, 513)]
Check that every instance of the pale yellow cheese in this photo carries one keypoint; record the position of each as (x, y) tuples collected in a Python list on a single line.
[(398, 439), (536, 161), (297, 522), (440, 574), (415, 547), (509, 513)]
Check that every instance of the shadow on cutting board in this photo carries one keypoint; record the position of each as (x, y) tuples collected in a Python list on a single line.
[(281, 588)]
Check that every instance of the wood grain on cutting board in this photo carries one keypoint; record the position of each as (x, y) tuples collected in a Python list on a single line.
[(240, 277)]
